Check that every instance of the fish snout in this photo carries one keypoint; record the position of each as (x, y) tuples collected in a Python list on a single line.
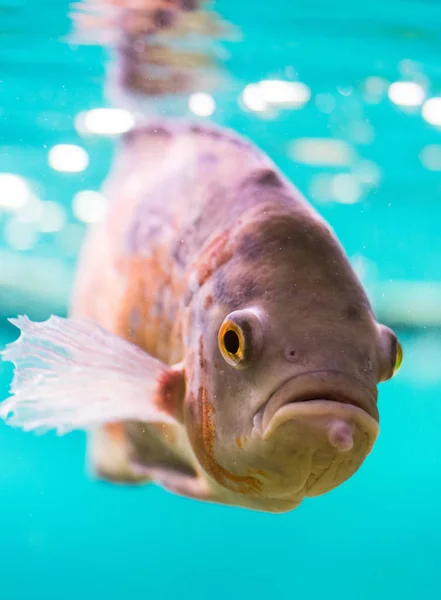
[(321, 425), (310, 391)]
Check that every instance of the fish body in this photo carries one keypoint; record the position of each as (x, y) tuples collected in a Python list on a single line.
[(218, 343), (176, 192), (202, 224)]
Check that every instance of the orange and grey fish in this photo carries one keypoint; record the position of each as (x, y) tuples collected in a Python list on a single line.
[(219, 342)]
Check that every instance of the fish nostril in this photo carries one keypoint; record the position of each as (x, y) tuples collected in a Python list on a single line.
[(290, 354)]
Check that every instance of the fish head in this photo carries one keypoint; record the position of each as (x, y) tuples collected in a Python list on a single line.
[(285, 356)]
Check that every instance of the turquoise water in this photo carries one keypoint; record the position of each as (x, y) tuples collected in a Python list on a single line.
[(378, 535)]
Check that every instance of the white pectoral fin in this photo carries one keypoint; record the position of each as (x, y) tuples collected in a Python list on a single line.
[(73, 374)]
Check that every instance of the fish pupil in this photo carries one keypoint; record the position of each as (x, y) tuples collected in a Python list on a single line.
[(231, 341)]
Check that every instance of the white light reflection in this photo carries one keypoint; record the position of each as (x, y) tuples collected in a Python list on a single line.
[(89, 206), (14, 192), (365, 269), (288, 93), (52, 217), (432, 111), (68, 158), (407, 67), (367, 172), (406, 93), (345, 189), (277, 92), (253, 98), (423, 356), (376, 86), (105, 121), (321, 151), (201, 104), (19, 235), (430, 157), (344, 91), (411, 302), (31, 211)]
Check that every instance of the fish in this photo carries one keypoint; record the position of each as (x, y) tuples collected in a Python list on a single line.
[(218, 342)]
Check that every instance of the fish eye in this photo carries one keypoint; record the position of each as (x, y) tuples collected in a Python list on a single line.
[(240, 338), (398, 358), (232, 342), (391, 353)]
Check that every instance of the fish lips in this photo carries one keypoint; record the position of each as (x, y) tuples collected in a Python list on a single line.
[(315, 391)]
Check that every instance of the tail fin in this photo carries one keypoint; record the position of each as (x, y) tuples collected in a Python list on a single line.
[(160, 46)]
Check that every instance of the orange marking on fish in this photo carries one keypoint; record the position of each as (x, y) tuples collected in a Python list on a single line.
[(238, 442), (217, 253), (238, 483), (116, 432), (262, 473), (144, 279)]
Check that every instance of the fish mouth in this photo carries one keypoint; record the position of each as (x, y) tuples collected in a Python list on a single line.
[(346, 394)]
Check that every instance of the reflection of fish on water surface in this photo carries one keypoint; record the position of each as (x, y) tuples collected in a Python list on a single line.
[(239, 358), (162, 47)]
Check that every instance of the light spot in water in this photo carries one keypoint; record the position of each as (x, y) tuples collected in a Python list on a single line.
[(430, 156), (201, 104), (253, 98), (321, 151), (344, 90), (406, 93), (407, 67), (375, 88), (365, 268), (19, 235), (52, 217), (14, 192), (104, 121), (31, 211), (89, 206), (68, 158), (288, 93), (432, 111), (423, 356), (258, 97), (345, 189), (325, 103), (367, 172)]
